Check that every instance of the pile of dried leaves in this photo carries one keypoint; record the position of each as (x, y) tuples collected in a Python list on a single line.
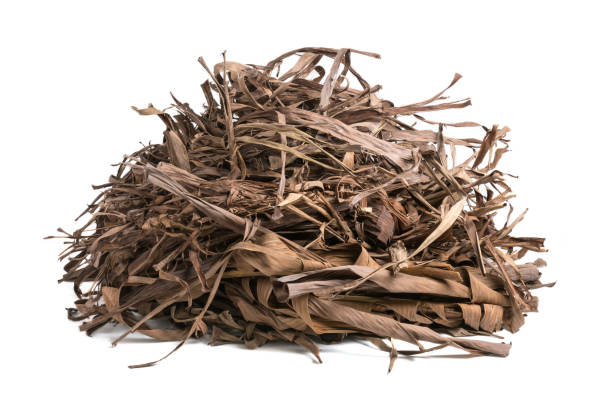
[(300, 208)]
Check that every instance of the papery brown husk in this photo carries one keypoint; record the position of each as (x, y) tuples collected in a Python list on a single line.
[(301, 207)]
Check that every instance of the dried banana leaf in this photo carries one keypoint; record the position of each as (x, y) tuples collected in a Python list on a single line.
[(300, 206)]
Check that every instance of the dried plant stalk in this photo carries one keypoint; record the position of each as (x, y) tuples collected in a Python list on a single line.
[(299, 208)]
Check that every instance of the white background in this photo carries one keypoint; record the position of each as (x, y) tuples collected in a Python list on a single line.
[(70, 71)]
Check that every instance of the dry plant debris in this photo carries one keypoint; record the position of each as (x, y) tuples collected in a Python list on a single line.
[(301, 207)]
